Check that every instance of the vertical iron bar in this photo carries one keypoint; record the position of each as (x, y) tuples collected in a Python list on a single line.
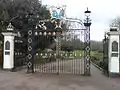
[(74, 46), (30, 63), (87, 51), (81, 52), (57, 52)]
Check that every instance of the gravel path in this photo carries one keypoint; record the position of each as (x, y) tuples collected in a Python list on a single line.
[(22, 81)]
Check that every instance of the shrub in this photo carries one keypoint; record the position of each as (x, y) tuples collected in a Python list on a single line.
[(97, 58)]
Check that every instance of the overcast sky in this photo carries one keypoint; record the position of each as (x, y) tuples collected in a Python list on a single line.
[(103, 11)]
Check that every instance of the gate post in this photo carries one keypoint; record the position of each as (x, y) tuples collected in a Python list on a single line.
[(87, 48), (30, 62), (30, 41), (8, 52), (113, 51)]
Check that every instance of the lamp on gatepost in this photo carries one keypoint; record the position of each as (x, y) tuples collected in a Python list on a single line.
[(87, 24), (87, 21)]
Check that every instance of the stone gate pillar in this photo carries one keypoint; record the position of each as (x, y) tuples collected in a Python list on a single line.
[(8, 52), (113, 51)]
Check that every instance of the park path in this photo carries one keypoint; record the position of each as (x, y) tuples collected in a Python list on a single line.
[(22, 81)]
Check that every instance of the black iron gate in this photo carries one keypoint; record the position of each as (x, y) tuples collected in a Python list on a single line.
[(66, 51), (65, 55), (59, 50)]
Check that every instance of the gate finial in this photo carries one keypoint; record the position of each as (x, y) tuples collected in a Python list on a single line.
[(10, 27)]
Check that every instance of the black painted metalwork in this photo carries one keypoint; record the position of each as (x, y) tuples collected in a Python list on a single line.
[(105, 54), (20, 54), (30, 56), (30, 43), (47, 53), (60, 59), (87, 57)]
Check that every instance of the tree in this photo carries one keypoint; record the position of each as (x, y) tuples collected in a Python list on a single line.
[(67, 48), (115, 22), (17, 11), (96, 45)]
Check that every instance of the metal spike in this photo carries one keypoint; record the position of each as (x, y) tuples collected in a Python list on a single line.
[(49, 33), (40, 33), (54, 33), (45, 33)]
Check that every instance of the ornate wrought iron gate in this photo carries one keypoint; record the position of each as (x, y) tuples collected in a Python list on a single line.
[(59, 51), (63, 56)]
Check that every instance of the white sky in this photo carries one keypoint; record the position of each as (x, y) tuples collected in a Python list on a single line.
[(103, 11)]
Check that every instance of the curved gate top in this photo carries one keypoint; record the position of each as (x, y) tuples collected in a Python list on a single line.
[(59, 46)]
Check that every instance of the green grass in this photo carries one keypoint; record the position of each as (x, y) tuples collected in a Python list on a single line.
[(97, 55), (79, 53), (97, 58), (75, 53), (65, 56)]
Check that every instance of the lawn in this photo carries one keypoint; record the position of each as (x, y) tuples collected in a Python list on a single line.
[(51, 56)]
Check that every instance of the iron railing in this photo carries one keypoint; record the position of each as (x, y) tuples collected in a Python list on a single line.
[(105, 54), (20, 56)]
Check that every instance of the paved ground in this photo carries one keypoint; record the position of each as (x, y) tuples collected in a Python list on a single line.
[(21, 81)]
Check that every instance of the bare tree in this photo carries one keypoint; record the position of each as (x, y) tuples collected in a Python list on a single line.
[(115, 22)]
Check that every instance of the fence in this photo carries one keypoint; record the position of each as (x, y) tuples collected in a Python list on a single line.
[(20, 53), (105, 54)]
